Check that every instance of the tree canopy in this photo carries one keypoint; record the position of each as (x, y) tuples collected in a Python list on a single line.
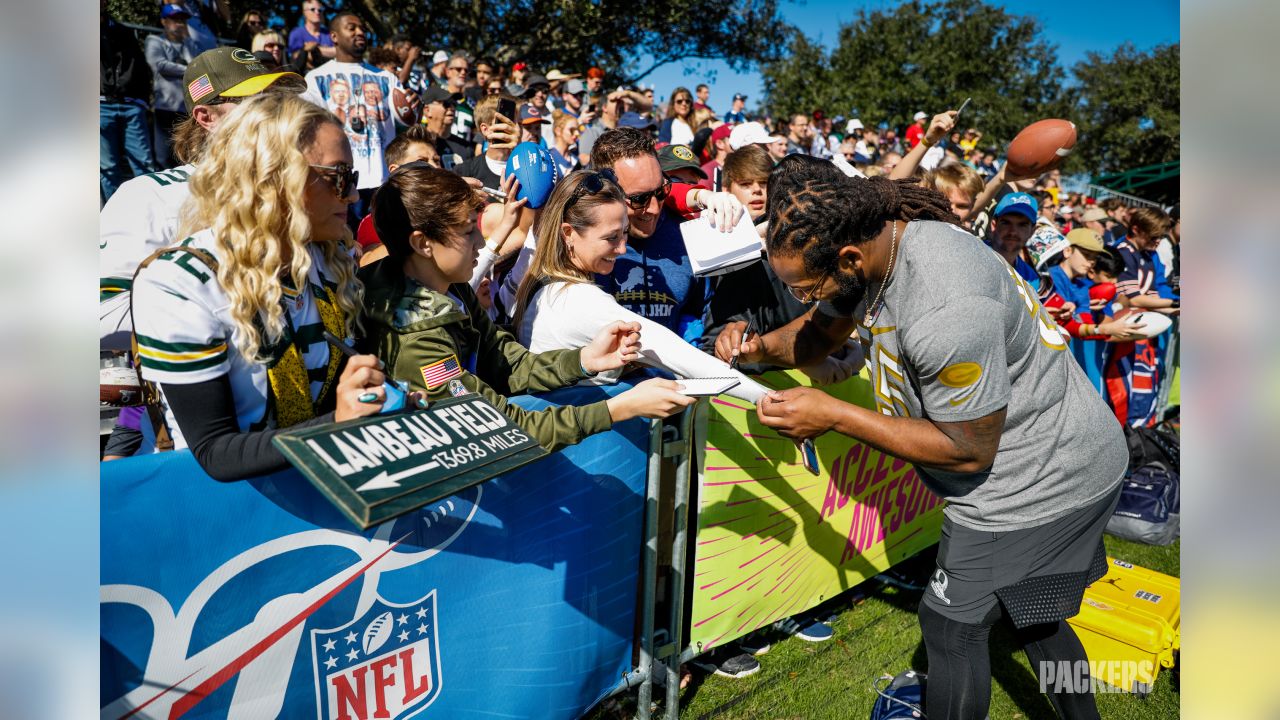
[(568, 34), (886, 64), (928, 57), (1126, 107)]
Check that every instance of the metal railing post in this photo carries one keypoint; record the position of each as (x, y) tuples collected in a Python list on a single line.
[(685, 471), (1166, 381), (649, 568)]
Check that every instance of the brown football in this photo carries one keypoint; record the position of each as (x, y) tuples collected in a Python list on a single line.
[(1041, 147), (406, 105), (118, 387)]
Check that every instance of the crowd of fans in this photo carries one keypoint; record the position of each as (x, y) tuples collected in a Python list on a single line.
[(316, 182)]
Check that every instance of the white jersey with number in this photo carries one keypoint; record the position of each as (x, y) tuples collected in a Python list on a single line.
[(140, 218), (183, 325)]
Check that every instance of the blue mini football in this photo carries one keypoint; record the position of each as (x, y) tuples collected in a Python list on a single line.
[(537, 172)]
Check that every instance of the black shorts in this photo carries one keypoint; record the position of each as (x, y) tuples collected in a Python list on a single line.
[(1039, 574)]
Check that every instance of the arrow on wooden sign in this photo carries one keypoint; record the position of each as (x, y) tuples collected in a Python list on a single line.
[(382, 480)]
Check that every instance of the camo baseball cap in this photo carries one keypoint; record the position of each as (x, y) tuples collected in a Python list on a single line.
[(231, 72)]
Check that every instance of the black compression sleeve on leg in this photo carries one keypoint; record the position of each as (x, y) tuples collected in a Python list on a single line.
[(1057, 643), (206, 414), (959, 675)]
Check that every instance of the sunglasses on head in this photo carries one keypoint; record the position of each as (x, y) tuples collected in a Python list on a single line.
[(640, 201), (591, 184), (342, 177)]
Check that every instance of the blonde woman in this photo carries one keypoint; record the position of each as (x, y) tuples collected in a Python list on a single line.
[(581, 232), (564, 152), (230, 325), (270, 41)]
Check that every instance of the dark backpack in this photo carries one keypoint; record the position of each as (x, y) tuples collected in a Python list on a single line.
[(901, 698), (1152, 445), (1149, 507)]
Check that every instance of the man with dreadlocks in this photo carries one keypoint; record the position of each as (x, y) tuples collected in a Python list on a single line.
[(973, 385)]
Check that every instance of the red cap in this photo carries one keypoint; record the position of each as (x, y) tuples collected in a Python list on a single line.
[(722, 132), (366, 235), (519, 66), (595, 72)]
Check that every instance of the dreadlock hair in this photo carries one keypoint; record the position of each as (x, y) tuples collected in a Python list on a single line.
[(791, 173), (816, 212)]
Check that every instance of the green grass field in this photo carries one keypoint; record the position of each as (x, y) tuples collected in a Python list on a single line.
[(877, 633)]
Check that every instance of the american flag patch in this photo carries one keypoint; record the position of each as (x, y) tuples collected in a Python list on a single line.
[(199, 87), (437, 374)]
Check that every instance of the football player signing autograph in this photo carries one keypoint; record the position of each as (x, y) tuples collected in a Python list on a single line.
[(975, 387)]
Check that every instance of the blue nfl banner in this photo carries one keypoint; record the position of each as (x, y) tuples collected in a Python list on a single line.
[(514, 598)]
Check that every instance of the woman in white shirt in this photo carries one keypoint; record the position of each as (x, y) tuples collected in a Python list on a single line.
[(677, 128), (581, 232)]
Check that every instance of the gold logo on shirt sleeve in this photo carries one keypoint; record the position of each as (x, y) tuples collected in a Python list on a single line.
[(960, 375)]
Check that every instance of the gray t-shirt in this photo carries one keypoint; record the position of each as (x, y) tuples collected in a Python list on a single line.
[(961, 336), (590, 134)]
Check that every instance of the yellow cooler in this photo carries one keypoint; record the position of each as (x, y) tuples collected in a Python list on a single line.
[(1129, 625)]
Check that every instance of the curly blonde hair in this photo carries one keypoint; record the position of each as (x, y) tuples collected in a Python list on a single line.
[(249, 190)]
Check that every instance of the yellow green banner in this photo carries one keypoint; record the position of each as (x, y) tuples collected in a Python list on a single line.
[(773, 539)]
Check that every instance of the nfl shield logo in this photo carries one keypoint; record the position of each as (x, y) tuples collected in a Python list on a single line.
[(384, 664)]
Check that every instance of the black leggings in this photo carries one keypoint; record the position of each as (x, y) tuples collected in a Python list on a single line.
[(959, 674)]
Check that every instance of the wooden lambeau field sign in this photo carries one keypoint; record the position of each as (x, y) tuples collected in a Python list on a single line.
[(380, 467)]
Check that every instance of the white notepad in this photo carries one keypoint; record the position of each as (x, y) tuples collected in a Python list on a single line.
[(706, 387), (712, 252)]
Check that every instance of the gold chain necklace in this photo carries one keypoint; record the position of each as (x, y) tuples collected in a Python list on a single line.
[(875, 306)]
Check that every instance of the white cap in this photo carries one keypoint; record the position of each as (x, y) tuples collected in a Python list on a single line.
[(749, 133), (440, 57), (920, 116), (854, 124)]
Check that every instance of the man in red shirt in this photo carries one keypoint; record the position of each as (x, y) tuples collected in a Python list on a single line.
[(916, 131), (718, 148)]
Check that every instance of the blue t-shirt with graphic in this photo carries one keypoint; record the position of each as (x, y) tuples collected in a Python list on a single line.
[(655, 280)]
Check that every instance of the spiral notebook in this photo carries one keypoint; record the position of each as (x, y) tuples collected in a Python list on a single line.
[(707, 386), (712, 252)]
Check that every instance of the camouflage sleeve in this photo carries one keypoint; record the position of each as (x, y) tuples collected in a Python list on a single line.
[(501, 355), (428, 362)]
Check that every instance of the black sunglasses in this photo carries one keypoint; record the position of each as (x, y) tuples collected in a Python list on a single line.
[(591, 184), (640, 201), (341, 177), (224, 100)]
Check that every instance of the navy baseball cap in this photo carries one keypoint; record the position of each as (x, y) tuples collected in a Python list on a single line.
[(174, 10), (530, 114), (739, 96), (1019, 202), (633, 120)]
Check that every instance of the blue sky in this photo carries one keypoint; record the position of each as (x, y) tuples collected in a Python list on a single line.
[(1075, 26)]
